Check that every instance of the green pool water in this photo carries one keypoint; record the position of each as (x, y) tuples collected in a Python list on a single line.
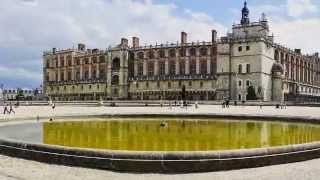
[(159, 134)]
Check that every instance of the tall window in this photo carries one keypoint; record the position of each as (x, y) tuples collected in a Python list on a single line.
[(172, 67), (69, 75), (150, 68), (78, 75), (248, 68), (94, 60), (116, 64), (240, 68), (203, 67), (162, 67), (182, 67), (94, 74), (86, 75), (140, 69), (193, 67), (69, 60), (62, 76)]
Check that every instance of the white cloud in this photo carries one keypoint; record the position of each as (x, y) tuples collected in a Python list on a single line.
[(44, 24), (298, 8)]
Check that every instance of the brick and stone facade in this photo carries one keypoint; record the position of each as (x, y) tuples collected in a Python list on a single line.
[(225, 67)]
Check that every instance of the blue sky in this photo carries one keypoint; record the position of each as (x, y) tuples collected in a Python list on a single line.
[(30, 26)]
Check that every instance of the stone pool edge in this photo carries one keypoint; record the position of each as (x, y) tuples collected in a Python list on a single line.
[(167, 162)]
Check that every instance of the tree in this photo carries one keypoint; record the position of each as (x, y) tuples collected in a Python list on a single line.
[(20, 94), (251, 93)]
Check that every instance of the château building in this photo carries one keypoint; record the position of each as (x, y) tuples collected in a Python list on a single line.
[(247, 59)]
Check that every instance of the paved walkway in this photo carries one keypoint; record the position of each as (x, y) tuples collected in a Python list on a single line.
[(12, 168)]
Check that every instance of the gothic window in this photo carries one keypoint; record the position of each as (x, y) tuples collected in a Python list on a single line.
[(116, 64), (204, 51), (182, 52), (140, 55), (248, 68), (172, 67), (192, 52), (182, 68), (162, 53), (172, 53), (162, 67), (203, 67), (150, 68), (193, 67), (140, 69)]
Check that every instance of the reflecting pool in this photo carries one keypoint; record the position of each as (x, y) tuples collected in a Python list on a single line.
[(177, 134)]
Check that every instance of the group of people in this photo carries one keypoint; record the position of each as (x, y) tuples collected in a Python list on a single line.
[(9, 110)]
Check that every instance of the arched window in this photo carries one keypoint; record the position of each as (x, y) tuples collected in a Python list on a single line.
[(192, 52), (140, 55), (162, 53), (172, 53), (203, 51), (115, 80), (116, 64)]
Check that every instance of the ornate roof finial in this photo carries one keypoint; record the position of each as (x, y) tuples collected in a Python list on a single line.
[(245, 14)]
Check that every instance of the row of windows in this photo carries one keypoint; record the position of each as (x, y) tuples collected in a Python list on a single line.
[(172, 68), (77, 61), (73, 87), (248, 83), (169, 84), (151, 54), (240, 48)]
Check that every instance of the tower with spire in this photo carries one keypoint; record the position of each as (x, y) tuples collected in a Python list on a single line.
[(245, 14)]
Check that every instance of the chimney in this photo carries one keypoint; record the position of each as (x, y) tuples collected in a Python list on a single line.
[(124, 42), (184, 36), (298, 51), (81, 47), (89, 51), (95, 50), (214, 36), (54, 50), (135, 42), (316, 54)]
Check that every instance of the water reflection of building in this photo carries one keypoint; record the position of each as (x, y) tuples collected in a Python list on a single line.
[(222, 67)]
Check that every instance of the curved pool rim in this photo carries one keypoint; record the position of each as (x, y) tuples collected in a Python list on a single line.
[(167, 162)]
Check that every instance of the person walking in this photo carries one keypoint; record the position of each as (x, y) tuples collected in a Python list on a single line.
[(11, 109), (5, 109)]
